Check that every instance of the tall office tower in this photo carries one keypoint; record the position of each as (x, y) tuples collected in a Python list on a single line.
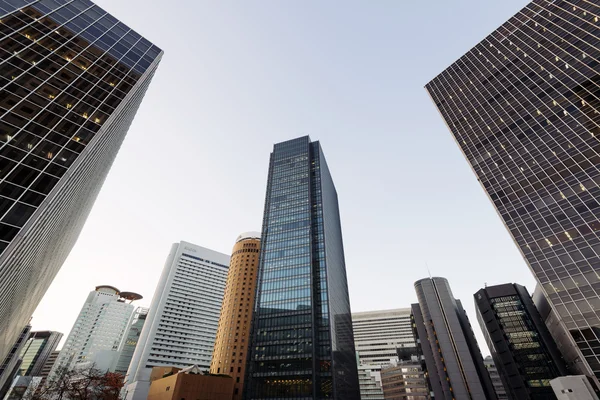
[(181, 325), (488, 362), (48, 366), (130, 340), (37, 350), (522, 348), (12, 361), (72, 78), (97, 332), (377, 336), (233, 333), (454, 362), (302, 342), (524, 107)]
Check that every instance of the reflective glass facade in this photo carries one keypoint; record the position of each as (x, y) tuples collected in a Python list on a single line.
[(36, 352), (524, 107), (525, 354), (302, 344), (71, 79)]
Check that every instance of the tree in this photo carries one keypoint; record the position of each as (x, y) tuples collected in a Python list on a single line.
[(87, 383)]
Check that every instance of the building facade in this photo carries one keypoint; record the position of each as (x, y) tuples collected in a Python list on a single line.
[(233, 332), (453, 359), (302, 342), (130, 340), (37, 350), (48, 366), (521, 345), (189, 383), (72, 77), (12, 361), (97, 332), (404, 381), (377, 336), (524, 108), (181, 326), (488, 362)]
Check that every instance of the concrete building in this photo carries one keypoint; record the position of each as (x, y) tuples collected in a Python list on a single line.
[(73, 77), (404, 381), (130, 340), (48, 366), (188, 383), (523, 107), (233, 333), (377, 337), (488, 362), (577, 387), (181, 326), (37, 350), (453, 359), (98, 330), (302, 342), (521, 345)]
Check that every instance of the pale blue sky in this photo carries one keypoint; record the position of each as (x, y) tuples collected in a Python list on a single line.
[(238, 76)]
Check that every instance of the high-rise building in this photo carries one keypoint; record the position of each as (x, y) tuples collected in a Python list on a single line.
[(522, 348), (181, 325), (12, 361), (404, 380), (302, 342), (488, 362), (72, 78), (452, 356), (377, 336), (97, 332), (130, 340), (524, 107), (233, 333), (37, 350), (48, 366)]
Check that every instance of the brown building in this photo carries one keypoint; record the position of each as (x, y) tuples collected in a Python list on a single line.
[(404, 381), (233, 333), (169, 383)]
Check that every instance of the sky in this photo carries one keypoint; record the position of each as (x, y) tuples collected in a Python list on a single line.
[(237, 77)]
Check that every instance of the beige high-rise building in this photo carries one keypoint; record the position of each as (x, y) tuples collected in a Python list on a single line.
[(233, 333)]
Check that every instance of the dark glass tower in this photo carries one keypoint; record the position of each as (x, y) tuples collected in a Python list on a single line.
[(524, 107), (524, 353), (71, 80), (302, 345)]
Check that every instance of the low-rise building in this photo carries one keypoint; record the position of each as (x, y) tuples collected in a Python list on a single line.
[(169, 383)]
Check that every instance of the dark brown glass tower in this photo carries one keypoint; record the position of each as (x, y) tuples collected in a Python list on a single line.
[(233, 333), (523, 105), (71, 80)]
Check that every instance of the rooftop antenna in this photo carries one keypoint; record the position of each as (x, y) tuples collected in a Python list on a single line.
[(428, 271)]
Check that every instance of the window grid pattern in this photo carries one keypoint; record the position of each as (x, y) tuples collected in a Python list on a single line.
[(71, 80), (524, 107), (294, 336)]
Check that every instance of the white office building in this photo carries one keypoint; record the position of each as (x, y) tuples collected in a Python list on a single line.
[(98, 330), (377, 337), (181, 326)]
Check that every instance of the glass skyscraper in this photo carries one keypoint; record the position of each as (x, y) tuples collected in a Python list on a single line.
[(302, 344), (524, 107), (71, 80)]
